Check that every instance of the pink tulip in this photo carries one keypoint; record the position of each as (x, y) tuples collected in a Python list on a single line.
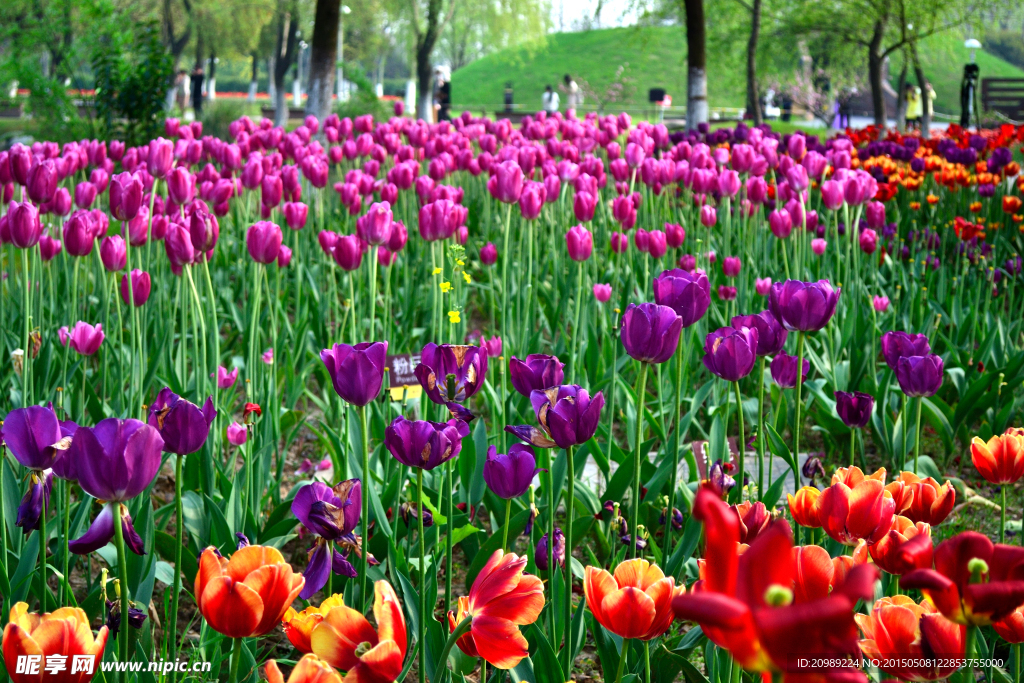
[(579, 242), (762, 285), (263, 240), (675, 235), (880, 303), (348, 253), (225, 379), (731, 266), (140, 284), (583, 206), (86, 339), (780, 223), (268, 356), (728, 183), (874, 212), (602, 292), (113, 253), (64, 335), (868, 241), (375, 226), (832, 194), (619, 242), (237, 434), (284, 257), (489, 254), (49, 247), (688, 262), (657, 243), (708, 216), (818, 246)]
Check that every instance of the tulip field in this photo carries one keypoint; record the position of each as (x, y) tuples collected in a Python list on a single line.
[(577, 399)]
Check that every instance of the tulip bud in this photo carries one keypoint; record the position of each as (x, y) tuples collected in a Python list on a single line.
[(579, 242), (263, 240), (375, 227), (818, 246), (619, 242), (762, 285), (708, 216), (237, 434), (113, 253), (42, 181), (489, 254), (125, 196), (602, 292), (868, 241), (140, 287), (731, 266), (161, 156), (23, 225), (49, 247), (675, 235), (880, 303)]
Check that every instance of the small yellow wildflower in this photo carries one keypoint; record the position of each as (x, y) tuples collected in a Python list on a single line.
[(446, 287), (437, 271), (466, 277), (453, 317)]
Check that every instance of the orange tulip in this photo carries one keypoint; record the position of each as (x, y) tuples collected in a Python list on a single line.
[(635, 603), (1001, 460), (853, 475), (248, 595), (904, 636), (1011, 628), (804, 507), (815, 574), (888, 553), (309, 670), (298, 626), (63, 633), (346, 641), (1011, 204), (862, 511), (502, 599), (929, 502)]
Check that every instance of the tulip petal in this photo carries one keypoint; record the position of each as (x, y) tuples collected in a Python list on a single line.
[(250, 558), (384, 659), (100, 533), (231, 607), (630, 612), (317, 571), (336, 638), (499, 576), (813, 572), (387, 612), (521, 606), (277, 587), (994, 601), (940, 590), (499, 641)]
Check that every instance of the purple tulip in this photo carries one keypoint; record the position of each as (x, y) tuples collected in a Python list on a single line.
[(531, 201), (86, 339), (583, 206), (708, 216), (85, 194), (399, 237), (204, 230), (783, 369), (423, 444), (868, 241), (348, 253), (183, 426), (510, 475), (579, 242), (730, 353), (34, 437), (731, 266), (536, 373), (114, 461), (688, 294), (180, 186), (541, 557), (489, 254), (567, 415), (771, 336), (271, 190), (874, 212), (803, 306), (357, 372), (161, 157), (451, 373), (854, 409), (49, 247), (506, 183), (42, 181), (113, 253), (437, 220), (23, 225), (178, 246), (263, 240), (832, 194), (125, 196), (295, 214), (140, 287), (780, 223), (896, 345), (650, 332), (332, 514), (920, 375), (375, 227)]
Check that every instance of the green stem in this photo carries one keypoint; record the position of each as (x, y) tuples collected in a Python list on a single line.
[(853, 443), (647, 661), (504, 529), (678, 401), (972, 636), (179, 521), (449, 546), (422, 621), (641, 391), (797, 423), (43, 590), (761, 436), (3, 524), (622, 661), (66, 504), (571, 476), (236, 657), (741, 446), (26, 366), (460, 630), (575, 375), (373, 293), (917, 437), (122, 571), (1002, 514), (365, 514)]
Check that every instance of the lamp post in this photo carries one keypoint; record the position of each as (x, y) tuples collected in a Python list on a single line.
[(969, 88), (339, 72)]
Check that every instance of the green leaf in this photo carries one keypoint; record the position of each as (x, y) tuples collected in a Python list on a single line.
[(515, 527), (523, 672), (691, 640), (774, 492), (549, 669), (609, 646), (462, 533), (23, 575)]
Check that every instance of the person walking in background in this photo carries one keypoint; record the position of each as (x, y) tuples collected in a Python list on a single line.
[(573, 96), (197, 90), (549, 100), (914, 108)]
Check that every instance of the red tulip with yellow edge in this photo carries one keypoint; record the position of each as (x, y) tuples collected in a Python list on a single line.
[(929, 501), (247, 595), (64, 632), (975, 582), (859, 510), (310, 669), (635, 602), (753, 606), (911, 640), (298, 626), (1001, 459), (346, 640), (1011, 628), (815, 574), (502, 599), (754, 518), (1011, 204), (804, 507), (889, 553)]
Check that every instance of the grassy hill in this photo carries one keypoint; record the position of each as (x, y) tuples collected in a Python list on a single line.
[(656, 57)]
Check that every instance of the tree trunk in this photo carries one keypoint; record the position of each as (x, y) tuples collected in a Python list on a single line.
[(323, 58), (753, 97), (901, 100), (211, 83), (875, 59), (254, 81), (284, 55), (696, 58), (426, 39), (926, 101)]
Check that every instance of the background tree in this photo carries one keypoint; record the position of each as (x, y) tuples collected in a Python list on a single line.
[(323, 58), (429, 18)]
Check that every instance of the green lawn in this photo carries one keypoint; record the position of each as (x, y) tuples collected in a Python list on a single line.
[(656, 57)]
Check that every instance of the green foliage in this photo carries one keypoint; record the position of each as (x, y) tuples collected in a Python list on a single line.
[(364, 101), (218, 115), (1007, 45), (131, 84)]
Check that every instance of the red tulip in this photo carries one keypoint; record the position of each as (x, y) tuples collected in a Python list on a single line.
[(905, 636), (634, 603)]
